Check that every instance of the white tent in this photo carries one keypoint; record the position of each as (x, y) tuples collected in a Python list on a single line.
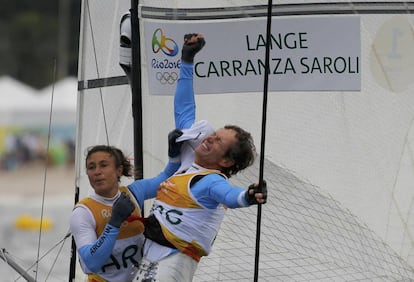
[(24, 106)]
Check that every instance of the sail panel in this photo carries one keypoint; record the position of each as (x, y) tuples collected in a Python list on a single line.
[(104, 96), (339, 165)]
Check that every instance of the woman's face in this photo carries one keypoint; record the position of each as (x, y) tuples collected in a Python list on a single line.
[(103, 174)]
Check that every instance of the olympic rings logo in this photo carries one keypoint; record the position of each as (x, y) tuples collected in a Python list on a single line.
[(160, 42), (166, 77)]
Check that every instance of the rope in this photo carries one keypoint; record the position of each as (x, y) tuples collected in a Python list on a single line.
[(62, 244), (46, 166), (97, 71)]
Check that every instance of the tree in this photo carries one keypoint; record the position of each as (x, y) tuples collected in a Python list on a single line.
[(30, 46)]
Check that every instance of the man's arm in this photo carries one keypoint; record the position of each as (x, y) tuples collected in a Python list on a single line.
[(184, 101), (213, 189)]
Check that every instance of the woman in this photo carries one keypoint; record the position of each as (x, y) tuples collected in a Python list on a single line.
[(109, 245)]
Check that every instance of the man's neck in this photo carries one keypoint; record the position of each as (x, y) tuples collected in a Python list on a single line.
[(195, 167)]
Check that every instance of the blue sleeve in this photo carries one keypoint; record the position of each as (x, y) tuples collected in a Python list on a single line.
[(184, 101), (144, 189), (95, 255), (213, 189)]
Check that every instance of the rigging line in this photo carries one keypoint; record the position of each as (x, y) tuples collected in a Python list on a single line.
[(46, 166), (57, 256), (61, 242), (97, 71), (263, 137)]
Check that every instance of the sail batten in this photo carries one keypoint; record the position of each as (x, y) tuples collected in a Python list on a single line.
[(102, 82), (302, 9)]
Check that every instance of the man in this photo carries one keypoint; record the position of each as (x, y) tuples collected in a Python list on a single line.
[(190, 205)]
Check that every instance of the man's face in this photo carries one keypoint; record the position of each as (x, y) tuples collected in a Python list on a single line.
[(211, 151)]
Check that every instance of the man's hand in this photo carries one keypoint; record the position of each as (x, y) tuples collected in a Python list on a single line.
[(256, 195), (121, 209), (193, 42), (174, 147)]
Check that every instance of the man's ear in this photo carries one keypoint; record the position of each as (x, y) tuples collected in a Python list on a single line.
[(119, 171), (226, 162)]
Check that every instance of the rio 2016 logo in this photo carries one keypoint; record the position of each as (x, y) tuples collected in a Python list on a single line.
[(166, 68), (162, 43)]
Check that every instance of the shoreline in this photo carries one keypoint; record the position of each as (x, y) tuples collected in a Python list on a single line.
[(35, 181)]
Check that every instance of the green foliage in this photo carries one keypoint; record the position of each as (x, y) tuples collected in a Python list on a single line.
[(29, 40)]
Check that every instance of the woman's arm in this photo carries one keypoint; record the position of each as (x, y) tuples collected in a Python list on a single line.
[(144, 189), (93, 251)]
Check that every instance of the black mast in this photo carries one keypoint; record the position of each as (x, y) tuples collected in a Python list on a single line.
[(263, 136), (72, 264), (136, 90)]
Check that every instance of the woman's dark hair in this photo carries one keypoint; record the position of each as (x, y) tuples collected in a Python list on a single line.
[(242, 153), (116, 153)]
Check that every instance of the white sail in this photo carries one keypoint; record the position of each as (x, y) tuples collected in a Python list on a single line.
[(104, 112), (339, 163)]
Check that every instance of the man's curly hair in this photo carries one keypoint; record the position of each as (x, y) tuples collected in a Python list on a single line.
[(243, 153)]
